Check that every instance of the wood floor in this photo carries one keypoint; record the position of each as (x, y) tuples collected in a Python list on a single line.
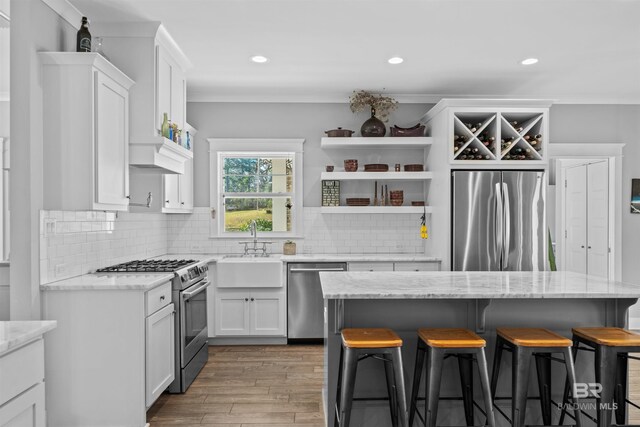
[(253, 386), (249, 386)]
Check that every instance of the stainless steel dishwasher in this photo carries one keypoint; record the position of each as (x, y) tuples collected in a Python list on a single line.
[(305, 306)]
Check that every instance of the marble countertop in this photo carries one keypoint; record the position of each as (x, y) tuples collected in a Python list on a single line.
[(13, 334), (208, 258), (109, 281), (471, 285), (359, 258)]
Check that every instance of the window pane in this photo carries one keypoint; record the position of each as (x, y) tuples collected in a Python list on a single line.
[(240, 166), (270, 214), (240, 184)]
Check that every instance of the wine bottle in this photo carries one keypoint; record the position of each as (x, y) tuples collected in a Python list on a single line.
[(83, 38), (165, 126)]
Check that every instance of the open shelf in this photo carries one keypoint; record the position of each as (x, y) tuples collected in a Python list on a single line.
[(376, 209), (385, 143), (380, 176)]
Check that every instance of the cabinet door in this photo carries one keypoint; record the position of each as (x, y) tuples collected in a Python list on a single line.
[(160, 353), (267, 313), (186, 186), (26, 410), (178, 96), (171, 191), (164, 70), (416, 266), (111, 142), (232, 313), (370, 266)]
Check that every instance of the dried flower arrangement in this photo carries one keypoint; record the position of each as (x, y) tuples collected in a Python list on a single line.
[(381, 106)]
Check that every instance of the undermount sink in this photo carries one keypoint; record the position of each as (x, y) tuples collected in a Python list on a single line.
[(249, 272)]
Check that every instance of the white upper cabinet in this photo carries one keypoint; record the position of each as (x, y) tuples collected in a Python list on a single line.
[(86, 128), (147, 52)]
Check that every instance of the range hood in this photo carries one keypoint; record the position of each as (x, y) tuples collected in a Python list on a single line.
[(158, 154)]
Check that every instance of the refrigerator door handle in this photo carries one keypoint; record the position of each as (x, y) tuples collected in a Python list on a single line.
[(499, 242), (507, 226)]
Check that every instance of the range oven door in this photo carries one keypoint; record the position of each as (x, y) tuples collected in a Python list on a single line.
[(193, 320)]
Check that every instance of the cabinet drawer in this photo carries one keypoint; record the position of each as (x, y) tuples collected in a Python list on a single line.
[(417, 266), (21, 369), (157, 298), (370, 266)]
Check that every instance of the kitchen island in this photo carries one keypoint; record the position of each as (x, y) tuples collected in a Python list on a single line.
[(480, 301)]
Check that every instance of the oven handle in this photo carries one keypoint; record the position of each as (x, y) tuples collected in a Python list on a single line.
[(189, 295)]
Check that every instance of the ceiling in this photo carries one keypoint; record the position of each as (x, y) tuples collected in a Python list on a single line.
[(322, 50)]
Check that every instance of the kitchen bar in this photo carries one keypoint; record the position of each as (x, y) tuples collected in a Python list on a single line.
[(479, 301)]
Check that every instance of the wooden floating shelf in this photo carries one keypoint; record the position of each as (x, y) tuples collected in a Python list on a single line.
[(376, 209), (353, 143), (382, 176)]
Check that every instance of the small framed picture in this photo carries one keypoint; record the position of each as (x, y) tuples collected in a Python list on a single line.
[(635, 196)]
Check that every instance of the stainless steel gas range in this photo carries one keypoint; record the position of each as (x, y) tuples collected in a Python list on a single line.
[(189, 296)]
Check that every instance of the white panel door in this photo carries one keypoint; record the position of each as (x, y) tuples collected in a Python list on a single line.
[(111, 142), (26, 410), (171, 191), (576, 219), (160, 353), (232, 313), (598, 219), (267, 313), (164, 70)]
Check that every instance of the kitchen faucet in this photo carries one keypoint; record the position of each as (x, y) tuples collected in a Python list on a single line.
[(253, 230)]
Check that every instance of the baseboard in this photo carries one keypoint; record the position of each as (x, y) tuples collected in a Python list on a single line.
[(247, 341)]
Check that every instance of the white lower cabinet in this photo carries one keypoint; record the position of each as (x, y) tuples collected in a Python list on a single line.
[(160, 354), (250, 312), (26, 410), (370, 266)]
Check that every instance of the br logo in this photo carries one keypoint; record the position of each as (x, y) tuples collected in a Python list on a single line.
[(584, 390)]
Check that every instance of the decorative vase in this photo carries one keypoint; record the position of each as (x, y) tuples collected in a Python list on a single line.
[(289, 248), (373, 126)]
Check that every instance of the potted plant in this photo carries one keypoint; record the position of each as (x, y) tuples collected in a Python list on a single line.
[(289, 248), (381, 107)]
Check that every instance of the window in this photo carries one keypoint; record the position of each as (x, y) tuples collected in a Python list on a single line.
[(257, 180)]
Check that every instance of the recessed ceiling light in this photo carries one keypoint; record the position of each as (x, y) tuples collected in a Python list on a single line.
[(395, 60), (259, 59), (529, 61)]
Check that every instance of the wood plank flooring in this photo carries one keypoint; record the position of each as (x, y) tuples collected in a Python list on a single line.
[(249, 386)]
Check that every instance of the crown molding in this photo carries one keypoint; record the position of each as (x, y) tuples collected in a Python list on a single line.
[(67, 11)]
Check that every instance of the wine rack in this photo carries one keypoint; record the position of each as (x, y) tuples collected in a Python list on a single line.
[(516, 136)]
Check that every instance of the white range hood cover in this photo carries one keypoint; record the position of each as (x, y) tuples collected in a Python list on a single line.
[(158, 153)]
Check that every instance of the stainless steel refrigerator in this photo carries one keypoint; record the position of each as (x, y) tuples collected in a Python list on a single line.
[(498, 221)]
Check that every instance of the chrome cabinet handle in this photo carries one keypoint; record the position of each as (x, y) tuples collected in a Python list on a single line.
[(128, 197), (252, 299), (182, 203), (246, 299), (166, 201), (162, 298)]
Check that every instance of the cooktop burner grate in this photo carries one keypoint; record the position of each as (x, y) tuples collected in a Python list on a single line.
[(148, 265)]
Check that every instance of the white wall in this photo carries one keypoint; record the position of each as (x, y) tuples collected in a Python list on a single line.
[(35, 27)]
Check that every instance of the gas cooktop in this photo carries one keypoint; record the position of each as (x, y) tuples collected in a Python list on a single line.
[(148, 265)]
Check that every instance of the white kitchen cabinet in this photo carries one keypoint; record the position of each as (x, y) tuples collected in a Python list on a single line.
[(250, 312), (370, 266), (417, 266), (26, 410), (171, 87), (178, 191), (113, 348), (86, 127), (160, 354)]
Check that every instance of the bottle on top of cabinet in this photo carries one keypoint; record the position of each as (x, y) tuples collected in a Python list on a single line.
[(83, 41)]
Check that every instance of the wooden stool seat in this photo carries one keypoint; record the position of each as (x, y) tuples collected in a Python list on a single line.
[(450, 338), (370, 338), (533, 337), (612, 337)]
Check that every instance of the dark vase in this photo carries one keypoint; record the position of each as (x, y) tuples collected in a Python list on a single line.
[(373, 126)]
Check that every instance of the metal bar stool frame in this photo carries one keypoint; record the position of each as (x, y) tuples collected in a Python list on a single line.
[(611, 369), (521, 364), (349, 359), (435, 357)]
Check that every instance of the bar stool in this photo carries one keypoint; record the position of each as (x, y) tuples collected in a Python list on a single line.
[(523, 343), (611, 347), (378, 343), (439, 344)]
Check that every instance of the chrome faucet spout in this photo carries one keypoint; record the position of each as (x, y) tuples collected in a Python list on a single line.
[(253, 229)]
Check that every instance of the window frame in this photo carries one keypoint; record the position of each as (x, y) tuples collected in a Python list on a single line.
[(219, 148)]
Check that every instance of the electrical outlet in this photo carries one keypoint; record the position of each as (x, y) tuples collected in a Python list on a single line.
[(49, 226), (60, 269)]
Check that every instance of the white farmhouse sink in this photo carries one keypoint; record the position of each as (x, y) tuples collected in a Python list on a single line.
[(249, 272)]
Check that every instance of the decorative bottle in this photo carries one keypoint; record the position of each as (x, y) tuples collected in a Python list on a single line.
[(83, 41), (165, 126)]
